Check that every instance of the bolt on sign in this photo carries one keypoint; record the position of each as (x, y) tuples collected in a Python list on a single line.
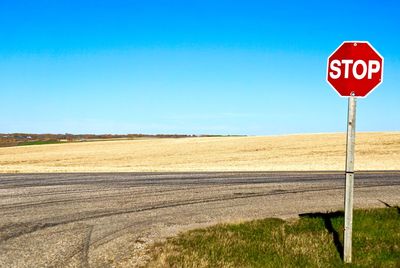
[(354, 70)]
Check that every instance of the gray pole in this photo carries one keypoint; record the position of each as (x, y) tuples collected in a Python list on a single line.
[(348, 199)]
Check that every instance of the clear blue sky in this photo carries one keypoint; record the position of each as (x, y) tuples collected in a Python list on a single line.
[(201, 67)]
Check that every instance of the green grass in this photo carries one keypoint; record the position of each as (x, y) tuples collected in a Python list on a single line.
[(25, 143), (314, 240)]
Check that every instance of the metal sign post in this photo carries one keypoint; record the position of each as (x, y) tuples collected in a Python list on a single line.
[(348, 203), (354, 70)]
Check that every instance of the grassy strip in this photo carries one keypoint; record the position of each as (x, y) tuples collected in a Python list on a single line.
[(315, 240), (25, 143)]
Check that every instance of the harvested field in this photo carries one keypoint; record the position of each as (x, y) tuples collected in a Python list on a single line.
[(374, 151)]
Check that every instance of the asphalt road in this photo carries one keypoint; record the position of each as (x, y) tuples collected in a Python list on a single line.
[(109, 219)]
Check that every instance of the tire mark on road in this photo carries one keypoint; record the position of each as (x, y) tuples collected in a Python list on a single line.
[(127, 192), (15, 230), (86, 247)]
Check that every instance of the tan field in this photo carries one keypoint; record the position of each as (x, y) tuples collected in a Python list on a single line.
[(374, 151)]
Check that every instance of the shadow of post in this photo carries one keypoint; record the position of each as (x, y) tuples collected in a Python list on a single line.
[(389, 206), (327, 218)]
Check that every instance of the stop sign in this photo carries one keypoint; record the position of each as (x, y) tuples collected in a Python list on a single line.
[(355, 68)]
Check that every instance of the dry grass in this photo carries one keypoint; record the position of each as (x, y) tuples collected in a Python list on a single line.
[(374, 151)]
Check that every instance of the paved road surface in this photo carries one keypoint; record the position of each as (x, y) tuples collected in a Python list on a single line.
[(107, 220)]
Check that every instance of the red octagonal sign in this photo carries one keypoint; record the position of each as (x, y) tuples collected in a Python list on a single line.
[(355, 68)]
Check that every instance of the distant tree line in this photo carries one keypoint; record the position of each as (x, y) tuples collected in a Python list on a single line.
[(13, 139)]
